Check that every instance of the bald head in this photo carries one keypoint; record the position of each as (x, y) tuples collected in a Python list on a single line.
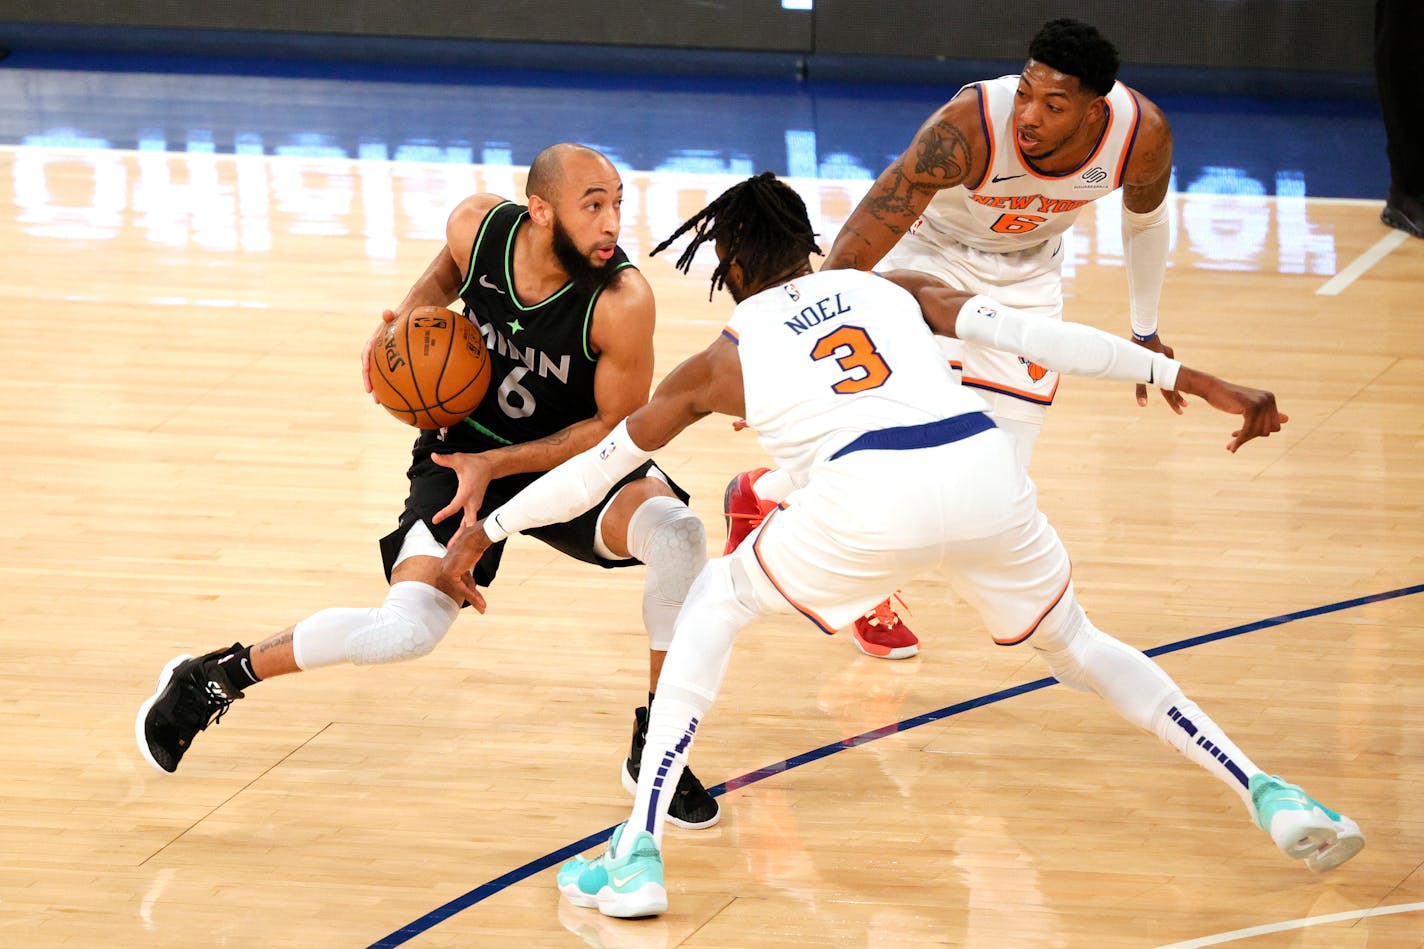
[(551, 168)]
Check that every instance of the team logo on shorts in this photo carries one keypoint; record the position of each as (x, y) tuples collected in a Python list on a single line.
[(1034, 370)]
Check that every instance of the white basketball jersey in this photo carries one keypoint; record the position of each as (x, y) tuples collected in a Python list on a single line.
[(835, 354), (1014, 206)]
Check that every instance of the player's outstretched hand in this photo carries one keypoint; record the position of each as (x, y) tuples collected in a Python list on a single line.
[(1257, 407), (387, 318), (474, 475), (463, 552), (1174, 399)]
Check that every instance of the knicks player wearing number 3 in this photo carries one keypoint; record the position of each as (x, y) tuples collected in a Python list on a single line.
[(899, 472), (981, 199), (568, 324)]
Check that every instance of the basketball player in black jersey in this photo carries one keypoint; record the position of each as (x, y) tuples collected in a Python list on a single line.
[(568, 322)]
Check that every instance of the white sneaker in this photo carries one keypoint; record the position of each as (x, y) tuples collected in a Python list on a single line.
[(1302, 827)]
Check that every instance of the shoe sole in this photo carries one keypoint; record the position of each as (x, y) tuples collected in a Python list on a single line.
[(649, 900), (876, 651), (1322, 843), (631, 786), (139, 732), (1333, 855), (1392, 218)]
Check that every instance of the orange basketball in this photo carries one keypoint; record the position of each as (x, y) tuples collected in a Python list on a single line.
[(432, 368)]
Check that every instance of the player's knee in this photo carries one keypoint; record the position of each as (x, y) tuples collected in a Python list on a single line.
[(410, 624), (1064, 640), (675, 550), (671, 541)]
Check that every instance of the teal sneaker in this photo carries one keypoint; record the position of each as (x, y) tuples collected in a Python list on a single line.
[(632, 886), (1302, 827)]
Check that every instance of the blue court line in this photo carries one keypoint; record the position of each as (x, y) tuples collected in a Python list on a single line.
[(484, 890)]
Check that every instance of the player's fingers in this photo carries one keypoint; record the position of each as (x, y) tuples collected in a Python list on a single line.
[(446, 511), (1142, 395), (1175, 401)]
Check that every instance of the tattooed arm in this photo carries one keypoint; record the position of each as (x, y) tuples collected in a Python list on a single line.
[(948, 150)]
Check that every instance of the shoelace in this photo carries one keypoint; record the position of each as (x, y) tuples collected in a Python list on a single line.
[(753, 519), (216, 697), (885, 615)]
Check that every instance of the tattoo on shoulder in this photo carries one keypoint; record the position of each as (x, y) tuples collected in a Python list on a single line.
[(943, 154), (941, 159)]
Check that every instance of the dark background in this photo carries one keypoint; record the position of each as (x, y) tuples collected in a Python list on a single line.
[(1330, 36)]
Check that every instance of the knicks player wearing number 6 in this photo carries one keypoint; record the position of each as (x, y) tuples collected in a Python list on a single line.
[(981, 199), (898, 471), (568, 322)]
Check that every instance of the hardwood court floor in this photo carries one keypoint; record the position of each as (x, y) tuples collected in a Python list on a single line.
[(189, 460)]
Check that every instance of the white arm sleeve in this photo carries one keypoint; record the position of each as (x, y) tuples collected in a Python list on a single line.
[(570, 489), (1145, 239), (1062, 346)]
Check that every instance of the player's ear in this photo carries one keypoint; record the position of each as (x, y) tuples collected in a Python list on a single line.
[(541, 212)]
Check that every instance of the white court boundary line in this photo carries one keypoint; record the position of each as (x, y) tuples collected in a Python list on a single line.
[(1289, 924), (1362, 263)]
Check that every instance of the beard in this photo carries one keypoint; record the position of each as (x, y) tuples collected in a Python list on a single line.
[(585, 275)]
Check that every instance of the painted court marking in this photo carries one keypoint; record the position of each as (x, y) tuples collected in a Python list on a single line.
[(1362, 263), (485, 890), (1290, 924)]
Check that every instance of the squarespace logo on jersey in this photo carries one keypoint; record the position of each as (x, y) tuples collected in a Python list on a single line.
[(1092, 178)]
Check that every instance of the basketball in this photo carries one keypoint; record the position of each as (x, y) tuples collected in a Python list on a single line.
[(432, 369)]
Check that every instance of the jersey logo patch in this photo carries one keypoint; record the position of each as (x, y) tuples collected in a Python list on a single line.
[(1093, 175), (792, 292), (999, 178)]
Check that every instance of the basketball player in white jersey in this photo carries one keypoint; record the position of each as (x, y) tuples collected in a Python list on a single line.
[(898, 470), (982, 198)]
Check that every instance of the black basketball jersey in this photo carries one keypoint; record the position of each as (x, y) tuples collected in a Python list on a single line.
[(541, 360)]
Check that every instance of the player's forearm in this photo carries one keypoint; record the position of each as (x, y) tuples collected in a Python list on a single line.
[(1070, 348), (547, 453), (571, 488), (1145, 241)]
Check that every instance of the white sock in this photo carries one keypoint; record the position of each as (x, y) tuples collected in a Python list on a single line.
[(691, 677)]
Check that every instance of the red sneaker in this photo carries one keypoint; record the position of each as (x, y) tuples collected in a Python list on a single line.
[(744, 510), (880, 633)]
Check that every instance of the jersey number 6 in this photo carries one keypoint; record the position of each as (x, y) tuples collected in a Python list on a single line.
[(853, 351)]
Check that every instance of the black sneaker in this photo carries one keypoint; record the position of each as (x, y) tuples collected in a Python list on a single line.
[(1404, 212), (192, 694), (692, 807)]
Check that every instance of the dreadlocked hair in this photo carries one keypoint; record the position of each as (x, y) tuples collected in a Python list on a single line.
[(760, 222)]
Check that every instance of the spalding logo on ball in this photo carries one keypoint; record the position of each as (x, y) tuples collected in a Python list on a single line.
[(432, 368)]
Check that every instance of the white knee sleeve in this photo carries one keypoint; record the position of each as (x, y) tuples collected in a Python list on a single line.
[(408, 625), (671, 541), (706, 629), (1083, 657)]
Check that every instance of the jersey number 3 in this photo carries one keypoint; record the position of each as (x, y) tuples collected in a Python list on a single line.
[(854, 351)]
